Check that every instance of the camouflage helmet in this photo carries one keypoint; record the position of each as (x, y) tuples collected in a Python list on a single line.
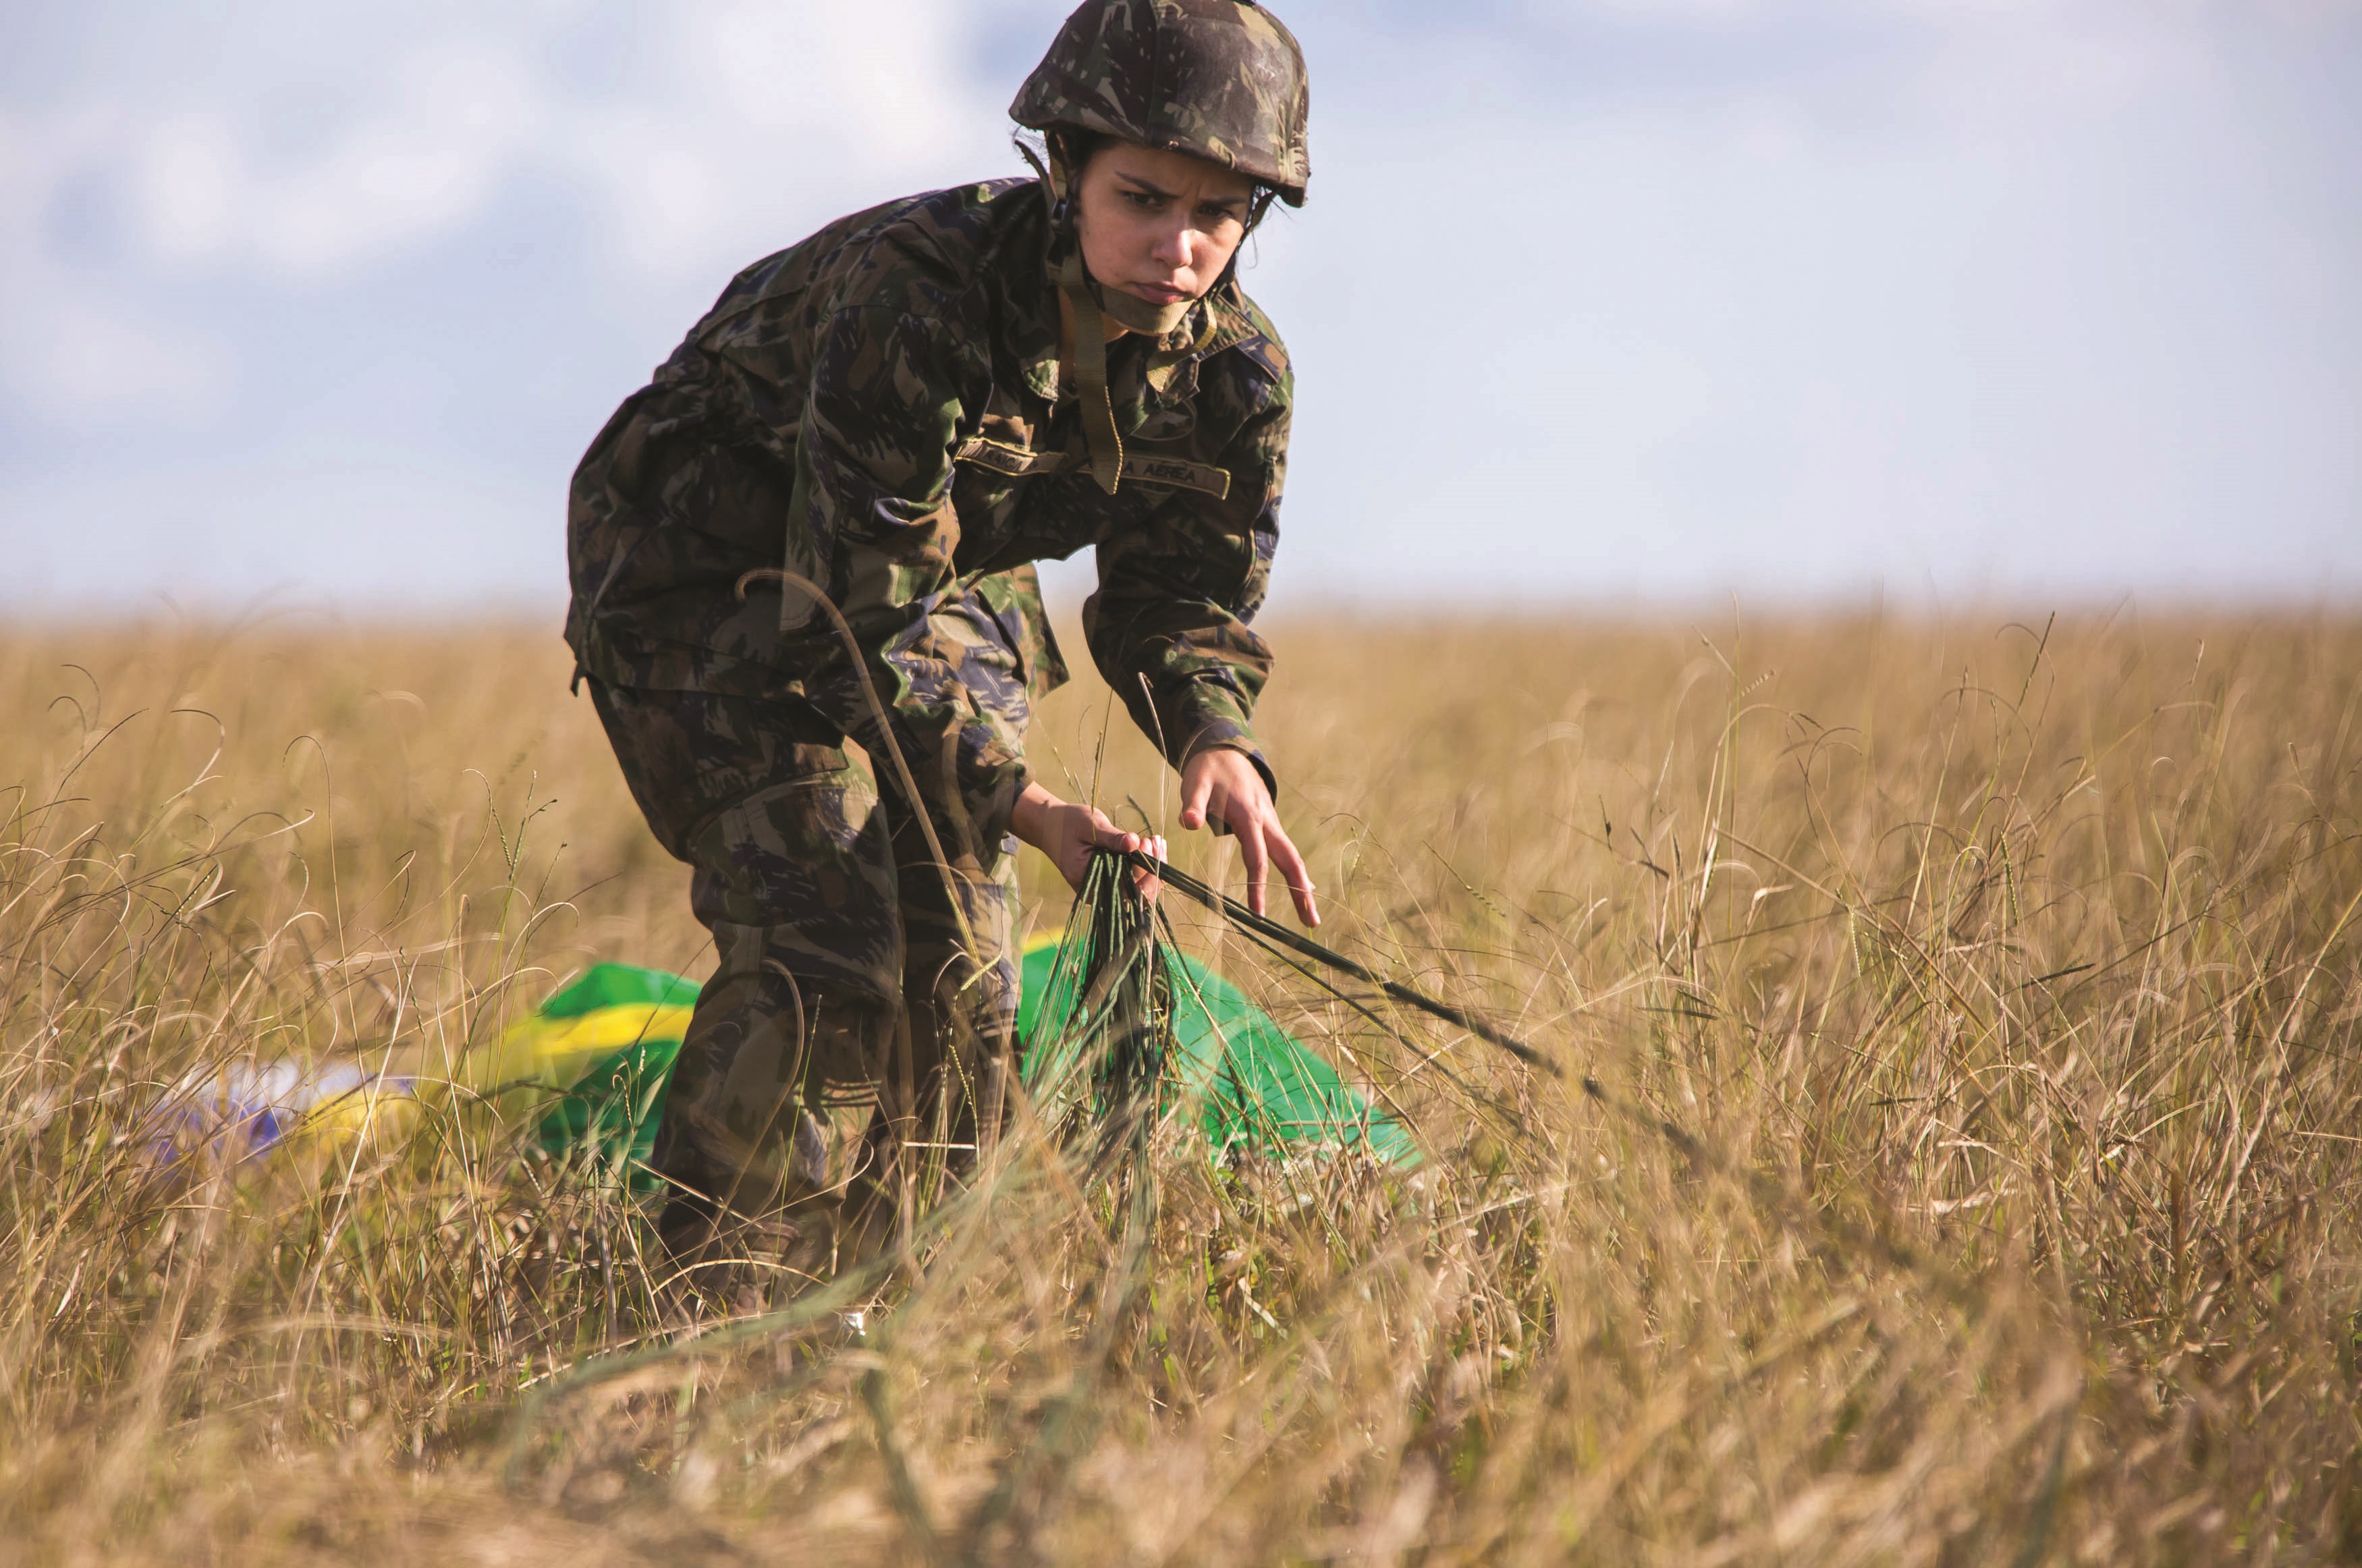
[(1220, 80)]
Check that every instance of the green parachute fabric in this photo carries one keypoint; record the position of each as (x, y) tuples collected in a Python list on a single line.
[(612, 1036), (1255, 1083)]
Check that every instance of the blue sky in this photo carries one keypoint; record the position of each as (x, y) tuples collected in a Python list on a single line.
[(1598, 301)]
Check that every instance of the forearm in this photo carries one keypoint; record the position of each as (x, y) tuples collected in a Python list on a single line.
[(1188, 674), (1029, 818), (1170, 627)]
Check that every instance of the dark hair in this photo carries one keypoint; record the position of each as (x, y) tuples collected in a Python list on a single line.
[(1076, 148)]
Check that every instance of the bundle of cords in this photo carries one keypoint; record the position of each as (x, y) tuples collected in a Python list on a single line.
[(1108, 1019)]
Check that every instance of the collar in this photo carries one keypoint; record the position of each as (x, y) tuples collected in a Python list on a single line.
[(1211, 325)]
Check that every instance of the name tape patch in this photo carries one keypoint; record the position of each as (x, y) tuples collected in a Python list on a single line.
[(1205, 476), (1015, 461)]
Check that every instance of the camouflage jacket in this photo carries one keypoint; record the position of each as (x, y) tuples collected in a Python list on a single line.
[(878, 409)]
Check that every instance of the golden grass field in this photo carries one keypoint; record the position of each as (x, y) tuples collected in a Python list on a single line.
[(1973, 1177)]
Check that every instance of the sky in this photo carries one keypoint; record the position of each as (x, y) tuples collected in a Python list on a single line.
[(1595, 303)]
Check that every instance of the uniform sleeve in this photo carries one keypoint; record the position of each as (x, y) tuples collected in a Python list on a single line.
[(1169, 625), (874, 518)]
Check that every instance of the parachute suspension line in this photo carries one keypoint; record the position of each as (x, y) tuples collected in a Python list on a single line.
[(1109, 1003), (1272, 931)]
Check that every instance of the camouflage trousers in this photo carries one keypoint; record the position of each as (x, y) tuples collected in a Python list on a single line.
[(844, 982)]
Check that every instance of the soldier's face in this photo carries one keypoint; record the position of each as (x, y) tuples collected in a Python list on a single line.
[(1160, 225)]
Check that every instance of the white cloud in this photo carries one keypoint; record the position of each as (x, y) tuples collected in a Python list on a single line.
[(71, 350), (458, 120), (183, 184), (94, 362), (728, 129), (430, 137), (753, 123)]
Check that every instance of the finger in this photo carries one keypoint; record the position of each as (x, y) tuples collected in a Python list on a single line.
[(1149, 882), (1300, 880), (1224, 810), (1194, 791), (1251, 851)]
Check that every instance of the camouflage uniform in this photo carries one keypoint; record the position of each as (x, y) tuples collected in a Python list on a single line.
[(880, 410)]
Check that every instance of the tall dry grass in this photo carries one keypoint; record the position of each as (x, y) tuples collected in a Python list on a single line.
[(1966, 1173)]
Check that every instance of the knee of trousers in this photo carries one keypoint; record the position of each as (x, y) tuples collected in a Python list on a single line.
[(762, 1053), (965, 965)]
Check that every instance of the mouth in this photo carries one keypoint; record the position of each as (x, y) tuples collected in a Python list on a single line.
[(1158, 293)]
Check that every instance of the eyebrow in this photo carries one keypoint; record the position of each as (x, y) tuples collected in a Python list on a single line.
[(1152, 190)]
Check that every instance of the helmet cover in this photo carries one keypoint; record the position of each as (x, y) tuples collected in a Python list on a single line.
[(1220, 80)]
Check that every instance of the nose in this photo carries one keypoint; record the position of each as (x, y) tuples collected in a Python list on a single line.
[(1175, 246)]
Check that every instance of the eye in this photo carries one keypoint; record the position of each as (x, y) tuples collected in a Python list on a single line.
[(1143, 200)]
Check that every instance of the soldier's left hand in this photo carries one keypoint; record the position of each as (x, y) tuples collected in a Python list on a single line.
[(1222, 786), (1067, 834)]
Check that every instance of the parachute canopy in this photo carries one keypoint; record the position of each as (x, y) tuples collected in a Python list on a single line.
[(608, 1042), (593, 1063)]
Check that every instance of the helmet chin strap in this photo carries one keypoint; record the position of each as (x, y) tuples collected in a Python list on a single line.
[(1137, 313)]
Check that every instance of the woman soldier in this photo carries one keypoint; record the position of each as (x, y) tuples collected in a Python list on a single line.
[(804, 598)]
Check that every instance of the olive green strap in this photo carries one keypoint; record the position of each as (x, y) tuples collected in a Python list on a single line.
[(1090, 373)]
